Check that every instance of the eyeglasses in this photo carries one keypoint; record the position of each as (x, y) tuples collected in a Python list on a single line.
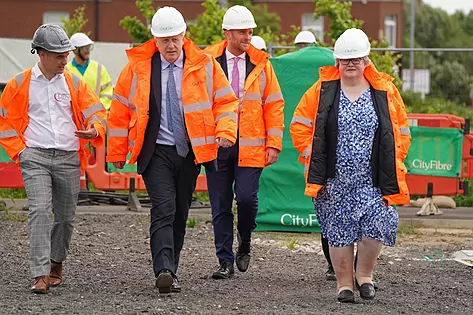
[(87, 48), (355, 61)]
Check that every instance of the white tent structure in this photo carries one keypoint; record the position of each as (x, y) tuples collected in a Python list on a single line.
[(15, 56)]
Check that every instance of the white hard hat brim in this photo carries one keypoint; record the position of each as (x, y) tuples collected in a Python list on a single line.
[(359, 55), (231, 27), (169, 34)]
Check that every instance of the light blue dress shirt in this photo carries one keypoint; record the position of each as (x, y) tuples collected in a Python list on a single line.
[(165, 136)]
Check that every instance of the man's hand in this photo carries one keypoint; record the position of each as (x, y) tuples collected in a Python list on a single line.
[(224, 143), (119, 165), (271, 156), (91, 133)]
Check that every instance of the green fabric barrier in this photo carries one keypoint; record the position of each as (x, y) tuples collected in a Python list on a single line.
[(4, 158), (282, 204), (435, 152)]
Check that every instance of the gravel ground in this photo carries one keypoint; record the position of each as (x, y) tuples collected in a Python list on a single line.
[(109, 271)]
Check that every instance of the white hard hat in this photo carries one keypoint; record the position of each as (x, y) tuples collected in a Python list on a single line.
[(353, 43), (258, 42), (51, 38), (305, 37), (80, 40), (238, 17), (167, 21)]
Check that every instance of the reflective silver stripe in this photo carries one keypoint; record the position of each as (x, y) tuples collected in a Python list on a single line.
[(106, 85), (131, 143), (87, 146), (306, 167), (275, 132), (262, 84), (19, 78), (124, 101), (209, 78), (98, 119), (117, 132), (223, 92), (75, 81), (306, 153), (134, 82), (302, 120), (252, 97), (230, 114), (8, 134), (196, 107), (274, 97), (106, 96), (3, 112), (252, 142), (405, 131), (195, 142), (92, 110), (99, 78)]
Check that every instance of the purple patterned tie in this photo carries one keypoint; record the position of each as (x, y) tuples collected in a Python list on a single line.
[(236, 77)]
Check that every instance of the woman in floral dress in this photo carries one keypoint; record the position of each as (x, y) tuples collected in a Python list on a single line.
[(352, 132)]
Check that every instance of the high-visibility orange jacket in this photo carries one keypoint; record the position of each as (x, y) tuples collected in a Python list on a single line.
[(310, 136), (14, 118), (261, 121), (209, 104)]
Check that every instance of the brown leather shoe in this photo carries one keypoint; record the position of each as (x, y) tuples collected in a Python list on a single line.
[(55, 275), (41, 285)]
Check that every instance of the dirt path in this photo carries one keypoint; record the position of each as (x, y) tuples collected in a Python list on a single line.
[(109, 272)]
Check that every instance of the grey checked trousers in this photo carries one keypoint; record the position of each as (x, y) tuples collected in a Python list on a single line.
[(52, 182)]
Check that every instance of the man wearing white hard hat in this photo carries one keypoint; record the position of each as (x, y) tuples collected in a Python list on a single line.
[(260, 131), (305, 39), (92, 72), (48, 117), (172, 108), (352, 132), (259, 43)]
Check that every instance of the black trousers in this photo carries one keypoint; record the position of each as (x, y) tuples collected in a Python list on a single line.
[(170, 181)]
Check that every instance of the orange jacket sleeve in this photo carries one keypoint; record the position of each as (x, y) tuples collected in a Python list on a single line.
[(303, 122), (119, 118), (403, 123), (224, 105), (273, 109), (10, 140), (93, 112)]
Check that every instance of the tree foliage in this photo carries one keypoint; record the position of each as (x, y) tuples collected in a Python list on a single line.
[(76, 23), (207, 28), (135, 27)]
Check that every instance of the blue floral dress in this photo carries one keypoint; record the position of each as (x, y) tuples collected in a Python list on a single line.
[(349, 207)]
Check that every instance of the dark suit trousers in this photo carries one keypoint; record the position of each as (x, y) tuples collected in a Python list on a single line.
[(170, 181), (220, 186)]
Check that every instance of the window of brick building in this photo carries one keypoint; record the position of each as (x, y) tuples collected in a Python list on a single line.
[(390, 30), (54, 17), (315, 26)]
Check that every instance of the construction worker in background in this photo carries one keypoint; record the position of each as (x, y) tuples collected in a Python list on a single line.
[(47, 118), (259, 43), (260, 128), (92, 72), (172, 108), (305, 39)]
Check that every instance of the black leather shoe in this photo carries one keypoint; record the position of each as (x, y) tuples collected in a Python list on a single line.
[(225, 271), (175, 287), (375, 285), (346, 296), (243, 257), (330, 274), (164, 280), (367, 291)]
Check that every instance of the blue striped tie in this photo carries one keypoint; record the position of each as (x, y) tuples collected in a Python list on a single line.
[(177, 126)]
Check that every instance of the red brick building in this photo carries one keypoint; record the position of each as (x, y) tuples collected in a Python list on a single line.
[(20, 18)]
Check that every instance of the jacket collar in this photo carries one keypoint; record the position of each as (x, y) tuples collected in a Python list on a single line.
[(377, 79), (256, 55)]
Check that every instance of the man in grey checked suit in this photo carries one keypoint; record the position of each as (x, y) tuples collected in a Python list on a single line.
[(47, 118)]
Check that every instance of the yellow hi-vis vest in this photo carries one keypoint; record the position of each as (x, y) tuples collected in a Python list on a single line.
[(97, 77)]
